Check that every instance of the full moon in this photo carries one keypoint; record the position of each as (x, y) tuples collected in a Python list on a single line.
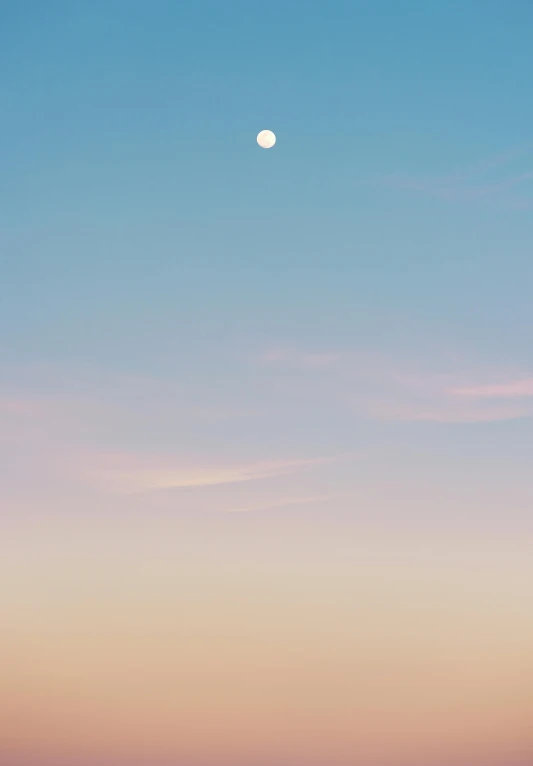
[(266, 139)]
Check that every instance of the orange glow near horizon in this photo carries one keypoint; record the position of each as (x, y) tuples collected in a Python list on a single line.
[(237, 647)]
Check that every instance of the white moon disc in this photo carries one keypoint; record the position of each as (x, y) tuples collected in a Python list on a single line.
[(266, 139)]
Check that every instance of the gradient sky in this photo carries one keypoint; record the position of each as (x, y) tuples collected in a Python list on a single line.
[(265, 416)]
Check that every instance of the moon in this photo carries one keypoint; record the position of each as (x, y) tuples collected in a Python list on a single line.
[(266, 139)]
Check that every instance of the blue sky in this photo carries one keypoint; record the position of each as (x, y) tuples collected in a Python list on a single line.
[(144, 234), (134, 197)]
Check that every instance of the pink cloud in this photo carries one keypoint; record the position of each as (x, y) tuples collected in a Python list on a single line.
[(442, 411), (383, 388), (130, 472), (511, 390), (68, 447), (468, 416)]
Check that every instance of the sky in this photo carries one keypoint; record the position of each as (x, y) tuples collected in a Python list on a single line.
[(265, 415)]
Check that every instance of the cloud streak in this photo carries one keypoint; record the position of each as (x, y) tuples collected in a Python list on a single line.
[(386, 389), (133, 473), (56, 446), (490, 181), (511, 390)]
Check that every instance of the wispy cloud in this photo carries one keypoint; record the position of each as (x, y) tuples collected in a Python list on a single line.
[(514, 389), (87, 450), (493, 181), (495, 415), (382, 388), (147, 473), (63, 442)]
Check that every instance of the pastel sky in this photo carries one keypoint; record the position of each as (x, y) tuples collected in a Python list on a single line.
[(266, 443)]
